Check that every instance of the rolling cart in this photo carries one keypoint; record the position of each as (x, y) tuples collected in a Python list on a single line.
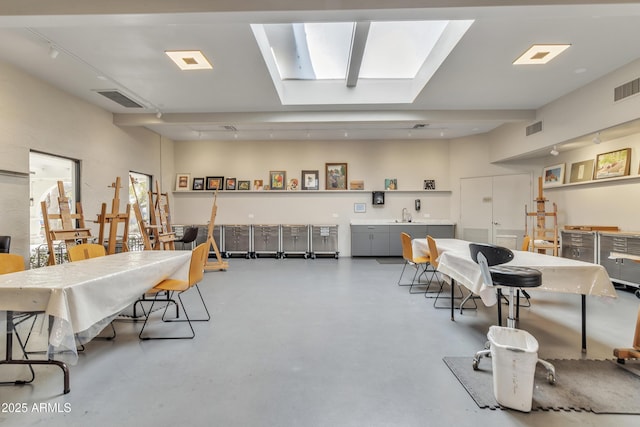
[(237, 240), (266, 240), (324, 240), (295, 240)]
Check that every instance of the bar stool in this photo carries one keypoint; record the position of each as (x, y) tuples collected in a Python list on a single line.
[(490, 258)]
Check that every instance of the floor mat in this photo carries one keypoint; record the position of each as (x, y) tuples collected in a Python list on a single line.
[(599, 386)]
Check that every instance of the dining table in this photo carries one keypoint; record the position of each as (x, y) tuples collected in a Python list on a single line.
[(76, 300), (559, 274)]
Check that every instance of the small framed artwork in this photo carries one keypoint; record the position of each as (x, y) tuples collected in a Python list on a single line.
[(581, 171), (215, 182), (230, 184), (613, 164), (310, 180), (429, 184), (182, 182), (258, 184), (293, 184), (356, 184), (553, 175), (335, 176), (277, 180), (377, 198), (244, 185), (198, 184), (359, 207), (390, 184)]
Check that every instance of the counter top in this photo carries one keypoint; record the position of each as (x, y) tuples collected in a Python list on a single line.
[(398, 222)]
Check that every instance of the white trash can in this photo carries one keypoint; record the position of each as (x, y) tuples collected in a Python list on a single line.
[(514, 354)]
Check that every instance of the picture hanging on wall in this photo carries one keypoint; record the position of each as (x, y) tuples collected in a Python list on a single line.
[(182, 182), (257, 184), (553, 175), (310, 180), (277, 180), (231, 184), (581, 171), (198, 184), (215, 182), (377, 198), (359, 207), (336, 176), (429, 184), (390, 184), (613, 164), (244, 185)]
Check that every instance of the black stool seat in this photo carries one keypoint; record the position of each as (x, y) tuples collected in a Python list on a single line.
[(515, 277)]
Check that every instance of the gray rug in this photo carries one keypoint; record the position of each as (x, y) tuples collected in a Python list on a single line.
[(599, 386)]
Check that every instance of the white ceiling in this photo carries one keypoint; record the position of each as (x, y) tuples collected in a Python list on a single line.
[(120, 45)]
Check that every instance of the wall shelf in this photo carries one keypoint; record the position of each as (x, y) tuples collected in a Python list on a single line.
[(595, 182), (275, 192)]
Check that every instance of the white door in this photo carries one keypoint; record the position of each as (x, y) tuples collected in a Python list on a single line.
[(492, 209)]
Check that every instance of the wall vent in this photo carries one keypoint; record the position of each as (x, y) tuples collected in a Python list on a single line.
[(534, 128), (119, 98), (627, 89)]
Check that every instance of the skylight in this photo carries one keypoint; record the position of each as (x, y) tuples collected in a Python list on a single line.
[(355, 62)]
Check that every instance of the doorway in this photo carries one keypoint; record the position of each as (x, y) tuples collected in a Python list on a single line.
[(492, 209)]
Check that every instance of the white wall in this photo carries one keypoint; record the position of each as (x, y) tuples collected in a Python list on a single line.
[(36, 116)]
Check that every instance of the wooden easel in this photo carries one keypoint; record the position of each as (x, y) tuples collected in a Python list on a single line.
[(630, 353), (69, 233), (143, 226), (113, 219), (219, 264), (161, 220), (544, 238)]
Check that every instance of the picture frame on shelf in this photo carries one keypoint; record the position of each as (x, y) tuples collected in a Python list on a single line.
[(581, 171), (230, 184), (309, 180), (244, 185), (293, 184), (258, 185), (429, 184), (215, 183), (359, 207), (277, 180), (390, 184), (356, 184), (198, 184), (553, 176), (183, 181), (336, 176), (613, 164)]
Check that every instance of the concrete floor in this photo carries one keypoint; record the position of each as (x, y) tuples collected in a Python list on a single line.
[(320, 342)]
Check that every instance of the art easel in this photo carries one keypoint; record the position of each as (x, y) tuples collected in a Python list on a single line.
[(68, 232), (543, 238), (142, 224), (161, 220), (113, 219), (219, 264), (622, 354)]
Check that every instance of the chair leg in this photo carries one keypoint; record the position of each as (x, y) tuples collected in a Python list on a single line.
[(146, 320), (435, 301), (206, 319), (402, 273)]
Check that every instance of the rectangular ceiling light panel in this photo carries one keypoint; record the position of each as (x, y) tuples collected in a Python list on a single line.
[(188, 60), (540, 54)]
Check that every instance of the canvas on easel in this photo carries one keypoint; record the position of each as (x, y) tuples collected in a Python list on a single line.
[(112, 220)]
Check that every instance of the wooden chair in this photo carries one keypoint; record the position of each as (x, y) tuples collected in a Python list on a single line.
[(526, 242), (85, 251), (178, 287), (420, 263)]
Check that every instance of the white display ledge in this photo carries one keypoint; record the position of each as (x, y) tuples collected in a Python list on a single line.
[(398, 222), (309, 191)]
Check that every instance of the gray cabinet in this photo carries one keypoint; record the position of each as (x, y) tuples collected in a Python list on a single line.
[(295, 240), (324, 240), (413, 230), (237, 240), (441, 231), (623, 270), (266, 240), (579, 245), (369, 240)]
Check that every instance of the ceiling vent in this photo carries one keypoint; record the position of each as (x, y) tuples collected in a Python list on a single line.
[(119, 98), (627, 89), (534, 128)]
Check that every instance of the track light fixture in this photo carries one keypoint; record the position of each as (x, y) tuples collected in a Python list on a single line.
[(554, 151)]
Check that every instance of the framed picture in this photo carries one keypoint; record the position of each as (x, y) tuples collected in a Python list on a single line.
[(581, 171), (613, 163), (377, 198), (553, 175), (310, 180), (277, 180), (215, 182), (336, 176), (356, 184), (244, 185), (258, 184), (182, 182), (429, 184), (359, 207), (293, 184), (198, 184), (390, 184), (230, 184)]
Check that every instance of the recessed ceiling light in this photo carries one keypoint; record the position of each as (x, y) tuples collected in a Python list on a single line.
[(540, 54), (189, 59)]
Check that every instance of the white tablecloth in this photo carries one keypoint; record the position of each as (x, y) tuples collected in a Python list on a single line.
[(558, 274), (83, 296)]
